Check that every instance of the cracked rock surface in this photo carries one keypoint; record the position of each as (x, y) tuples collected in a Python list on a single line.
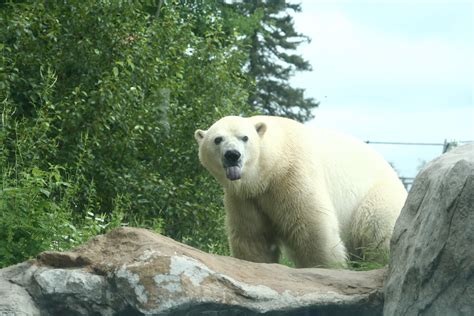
[(132, 271), (431, 270)]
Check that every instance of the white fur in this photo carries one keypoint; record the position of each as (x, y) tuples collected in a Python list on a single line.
[(317, 193)]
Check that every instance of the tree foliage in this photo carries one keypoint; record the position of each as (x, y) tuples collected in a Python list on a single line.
[(99, 102), (108, 95), (272, 40)]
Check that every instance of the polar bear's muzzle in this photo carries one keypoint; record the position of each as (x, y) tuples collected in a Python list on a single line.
[(232, 165)]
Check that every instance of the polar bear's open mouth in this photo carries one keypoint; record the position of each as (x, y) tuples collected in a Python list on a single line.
[(233, 173)]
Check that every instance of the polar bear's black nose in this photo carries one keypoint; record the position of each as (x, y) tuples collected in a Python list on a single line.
[(232, 156)]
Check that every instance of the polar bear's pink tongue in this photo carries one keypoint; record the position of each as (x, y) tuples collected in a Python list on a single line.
[(233, 173)]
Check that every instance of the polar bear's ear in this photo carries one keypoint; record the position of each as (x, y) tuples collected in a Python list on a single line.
[(261, 128), (199, 135)]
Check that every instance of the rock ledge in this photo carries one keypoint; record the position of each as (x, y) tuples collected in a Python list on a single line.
[(132, 271)]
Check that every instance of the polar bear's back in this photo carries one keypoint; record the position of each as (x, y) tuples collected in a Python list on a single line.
[(352, 169), (348, 167)]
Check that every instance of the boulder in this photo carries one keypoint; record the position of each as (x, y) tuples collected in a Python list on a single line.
[(431, 269), (132, 271), (14, 299)]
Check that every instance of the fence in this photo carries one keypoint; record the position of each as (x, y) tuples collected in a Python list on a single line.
[(446, 146)]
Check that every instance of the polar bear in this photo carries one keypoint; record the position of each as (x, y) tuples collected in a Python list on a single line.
[(317, 194)]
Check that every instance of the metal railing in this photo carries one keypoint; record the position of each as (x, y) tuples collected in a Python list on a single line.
[(446, 146)]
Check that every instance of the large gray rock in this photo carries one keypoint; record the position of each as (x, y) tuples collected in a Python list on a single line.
[(14, 299), (431, 270), (136, 272)]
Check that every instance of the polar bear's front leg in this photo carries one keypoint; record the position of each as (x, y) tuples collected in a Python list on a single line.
[(251, 234), (317, 249), (313, 239)]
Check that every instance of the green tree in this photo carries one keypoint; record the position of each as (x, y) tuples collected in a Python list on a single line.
[(104, 96), (272, 40)]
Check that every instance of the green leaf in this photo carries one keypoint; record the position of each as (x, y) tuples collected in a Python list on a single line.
[(45, 192)]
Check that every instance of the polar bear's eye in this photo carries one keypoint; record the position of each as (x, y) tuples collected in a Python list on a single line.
[(245, 138), (217, 140)]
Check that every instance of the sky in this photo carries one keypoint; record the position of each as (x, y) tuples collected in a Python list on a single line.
[(391, 71)]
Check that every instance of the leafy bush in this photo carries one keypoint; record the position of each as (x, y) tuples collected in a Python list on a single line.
[(100, 100), (35, 215)]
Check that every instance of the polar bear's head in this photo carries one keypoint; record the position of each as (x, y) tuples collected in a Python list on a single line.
[(230, 147)]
